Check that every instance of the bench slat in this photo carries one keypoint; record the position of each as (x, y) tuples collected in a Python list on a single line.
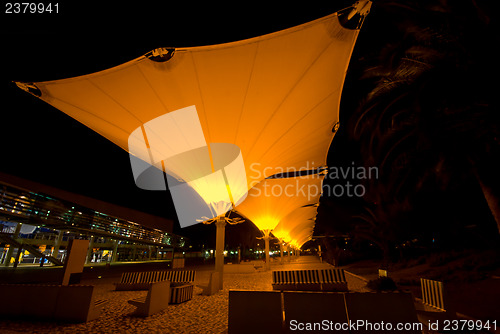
[(181, 294), (433, 293), (310, 279), (100, 302), (140, 280)]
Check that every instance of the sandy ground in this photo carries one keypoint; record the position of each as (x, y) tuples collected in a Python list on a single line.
[(202, 314)]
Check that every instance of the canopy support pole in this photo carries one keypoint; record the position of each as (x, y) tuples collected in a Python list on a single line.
[(281, 251), (266, 238), (220, 223)]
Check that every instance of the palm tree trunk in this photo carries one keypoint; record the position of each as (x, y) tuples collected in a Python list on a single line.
[(492, 199)]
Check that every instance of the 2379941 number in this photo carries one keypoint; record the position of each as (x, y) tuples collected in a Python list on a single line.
[(470, 325), (31, 8)]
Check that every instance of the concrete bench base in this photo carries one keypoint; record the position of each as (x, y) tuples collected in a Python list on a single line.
[(72, 303), (213, 284), (156, 300)]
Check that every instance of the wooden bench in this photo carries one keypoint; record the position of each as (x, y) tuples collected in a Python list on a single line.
[(433, 294), (333, 280), (77, 303), (142, 280), (434, 307), (156, 300), (310, 280), (387, 307), (181, 292), (253, 312), (311, 307), (73, 303), (277, 312)]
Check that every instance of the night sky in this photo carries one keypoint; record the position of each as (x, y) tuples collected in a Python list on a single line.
[(43, 144)]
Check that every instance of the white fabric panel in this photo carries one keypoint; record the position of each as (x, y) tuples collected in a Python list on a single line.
[(275, 98)]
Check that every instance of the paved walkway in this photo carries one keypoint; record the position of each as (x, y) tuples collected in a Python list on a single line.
[(203, 314)]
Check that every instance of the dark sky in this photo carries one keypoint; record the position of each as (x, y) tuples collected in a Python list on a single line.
[(42, 144)]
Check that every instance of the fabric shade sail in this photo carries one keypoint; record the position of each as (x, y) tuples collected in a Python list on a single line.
[(275, 96), (301, 233), (214, 173), (273, 199), (295, 222)]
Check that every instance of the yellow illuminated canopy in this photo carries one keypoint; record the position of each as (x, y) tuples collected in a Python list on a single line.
[(271, 200), (212, 174), (273, 100), (296, 221), (275, 96)]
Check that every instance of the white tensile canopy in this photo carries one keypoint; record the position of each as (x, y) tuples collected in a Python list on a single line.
[(299, 221), (271, 200), (274, 97)]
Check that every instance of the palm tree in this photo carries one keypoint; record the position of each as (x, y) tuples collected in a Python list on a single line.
[(429, 118)]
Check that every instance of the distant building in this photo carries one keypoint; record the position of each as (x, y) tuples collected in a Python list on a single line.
[(37, 221)]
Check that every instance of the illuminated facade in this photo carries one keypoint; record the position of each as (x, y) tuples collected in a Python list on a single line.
[(43, 223)]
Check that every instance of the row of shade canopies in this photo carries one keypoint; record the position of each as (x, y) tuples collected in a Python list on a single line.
[(285, 207), (221, 119)]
